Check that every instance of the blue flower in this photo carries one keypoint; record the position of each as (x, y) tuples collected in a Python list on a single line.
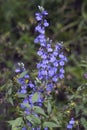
[(49, 87), (23, 128), (55, 63), (51, 72), (71, 124), (38, 16), (26, 76), (61, 63), (40, 29), (62, 70), (44, 12), (49, 49), (55, 79), (46, 128), (46, 24), (17, 70), (61, 76), (72, 121)]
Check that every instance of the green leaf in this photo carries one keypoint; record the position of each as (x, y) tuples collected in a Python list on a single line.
[(10, 100), (49, 108), (50, 124), (26, 105), (20, 95), (16, 123), (55, 119), (36, 120), (83, 65), (9, 91), (84, 11), (33, 119), (16, 128), (3, 87), (39, 110), (35, 97), (23, 74), (84, 123), (58, 122), (11, 122), (79, 108), (29, 118)]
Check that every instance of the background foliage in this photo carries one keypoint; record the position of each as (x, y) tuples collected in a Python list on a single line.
[(68, 23)]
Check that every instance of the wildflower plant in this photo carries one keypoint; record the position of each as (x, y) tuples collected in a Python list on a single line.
[(51, 66), (37, 95)]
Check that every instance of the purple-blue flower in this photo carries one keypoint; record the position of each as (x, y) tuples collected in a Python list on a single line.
[(71, 124), (23, 128), (51, 65), (46, 128), (38, 16)]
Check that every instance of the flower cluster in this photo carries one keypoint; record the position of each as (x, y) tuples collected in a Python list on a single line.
[(50, 70), (22, 80), (24, 90), (40, 28), (51, 66), (70, 124)]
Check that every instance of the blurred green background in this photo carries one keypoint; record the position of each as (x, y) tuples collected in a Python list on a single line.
[(68, 23)]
